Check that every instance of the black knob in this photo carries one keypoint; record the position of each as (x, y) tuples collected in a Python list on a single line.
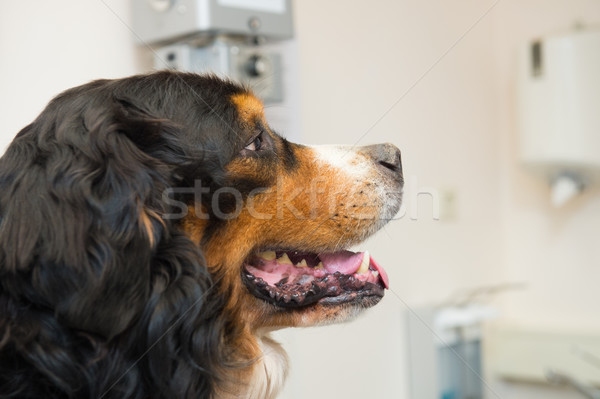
[(256, 66)]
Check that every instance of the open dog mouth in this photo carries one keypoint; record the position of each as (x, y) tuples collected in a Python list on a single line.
[(295, 279)]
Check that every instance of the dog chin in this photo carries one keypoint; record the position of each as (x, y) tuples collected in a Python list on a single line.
[(328, 314)]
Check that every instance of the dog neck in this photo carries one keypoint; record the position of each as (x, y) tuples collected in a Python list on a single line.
[(270, 371), (263, 379)]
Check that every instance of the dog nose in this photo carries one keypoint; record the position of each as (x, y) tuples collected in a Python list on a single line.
[(386, 155)]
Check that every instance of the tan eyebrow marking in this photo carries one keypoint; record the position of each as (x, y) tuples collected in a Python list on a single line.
[(249, 107)]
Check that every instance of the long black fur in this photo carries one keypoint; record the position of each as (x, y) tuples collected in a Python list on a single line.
[(90, 306)]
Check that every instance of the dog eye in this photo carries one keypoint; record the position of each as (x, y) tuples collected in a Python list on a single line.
[(256, 144)]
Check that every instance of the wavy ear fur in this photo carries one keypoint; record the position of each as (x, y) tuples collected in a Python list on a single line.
[(99, 295)]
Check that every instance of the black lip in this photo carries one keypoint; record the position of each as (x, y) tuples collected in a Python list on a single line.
[(332, 289), (365, 300)]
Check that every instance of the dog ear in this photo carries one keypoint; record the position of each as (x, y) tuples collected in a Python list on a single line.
[(82, 211), (85, 251)]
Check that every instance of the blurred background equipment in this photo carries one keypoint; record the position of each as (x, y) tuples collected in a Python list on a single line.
[(558, 377), (445, 350), (558, 118), (538, 356), (226, 37)]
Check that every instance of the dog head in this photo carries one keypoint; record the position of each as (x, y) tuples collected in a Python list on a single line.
[(297, 209), (151, 225)]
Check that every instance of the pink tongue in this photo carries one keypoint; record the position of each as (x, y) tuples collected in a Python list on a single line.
[(345, 262), (348, 262)]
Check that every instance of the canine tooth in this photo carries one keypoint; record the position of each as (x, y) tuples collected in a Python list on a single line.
[(375, 273), (267, 255), (319, 266), (285, 259), (364, 266), (302, 263)]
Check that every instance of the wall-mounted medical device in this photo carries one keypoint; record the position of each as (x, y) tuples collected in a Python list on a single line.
[(558, 111), (226, 37)]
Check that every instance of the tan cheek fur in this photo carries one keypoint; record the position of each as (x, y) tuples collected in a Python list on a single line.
[(334, 212), (309, 208)]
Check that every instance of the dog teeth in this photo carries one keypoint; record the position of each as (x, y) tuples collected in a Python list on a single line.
[(267, 255), (302, 263), (364, 266), (319, 266), (375, 273), (284, 259)]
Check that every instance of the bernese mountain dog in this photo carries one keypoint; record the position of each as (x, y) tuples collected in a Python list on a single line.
[(154, 230)]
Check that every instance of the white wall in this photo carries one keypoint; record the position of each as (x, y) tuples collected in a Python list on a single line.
[(357, 60), (49, 46)]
